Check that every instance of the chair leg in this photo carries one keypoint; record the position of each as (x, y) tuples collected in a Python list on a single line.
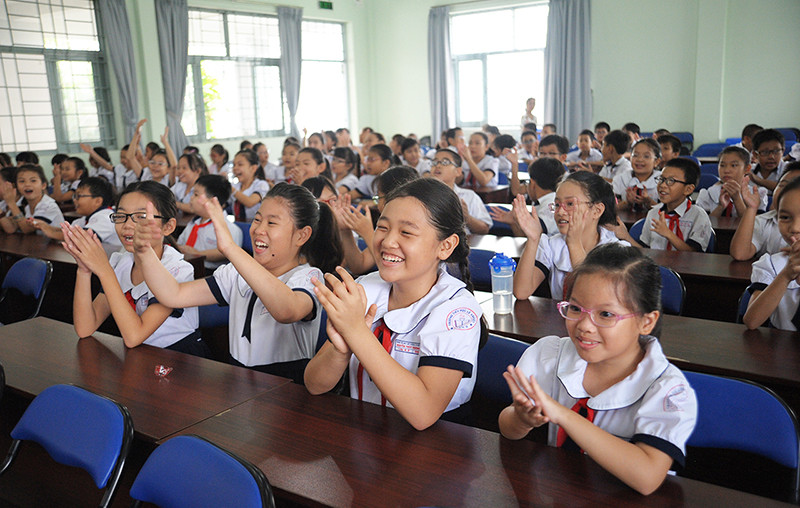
[(12, 454)]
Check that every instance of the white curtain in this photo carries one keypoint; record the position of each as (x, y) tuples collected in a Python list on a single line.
[(290, 29), (440, 70), (172, 21), (567, 90)]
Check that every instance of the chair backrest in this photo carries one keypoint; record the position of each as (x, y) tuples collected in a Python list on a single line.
[(193, 472), (789, 134), (247, 243), (479, 268), (709, 168), (493, 359), (502, 179), (709, 150), (706, 181), (712, 242), (673, 291), (78, 428), (213, 315), (741, 415), (29, 276), (636, 229), (691, 158), (499, 228), (732, 141)]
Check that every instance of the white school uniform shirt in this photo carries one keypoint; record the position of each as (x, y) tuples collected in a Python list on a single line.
[(524, 154), (765, 270), (364, 185), (183, 193), (275, 173), (544, 212), (4, 205), (47, 211), (442, 329), (182, 322), (625, 180), (654, 405), (101, 172), (123, 176), (694, 223), (552, 258), (594, 156), (349, 182), (224, 170), (708, 198), (526, 118), (487, 163), (147, 175), (270, 341), (612, 170), (99, 221), (475, 205), (70, 186), (424, 165), (775, 175), (207, 239), (258, 186), (504, 165), (767, 239)]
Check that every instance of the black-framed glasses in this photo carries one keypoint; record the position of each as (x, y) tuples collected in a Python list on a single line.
[(443, 162), (122, 218), (768, 153), (669, 181)]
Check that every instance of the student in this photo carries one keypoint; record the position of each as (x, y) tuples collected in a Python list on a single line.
[(528, 117), (316, 141), (413, 157), (480, 168), (27, 158), (639, 409), (246, 145), (768, 147), (724, 198), (93, 200), (549, 129), (310, 162), (220, 165), (274, 315), (343, 138), (249, 189), (748, 133), (491, 132), (5, 160), (31, 184), (378, 160), (554, 146), (344, 167), (670, 148), (545, 174), (677, 224), (190, 168), (158, 168), (633, 131), (396, 144), (288, 161), (125, 294), (585, 158), (428, 321), (269, 169), (759, 234), (8, 187), (636, 189), (530, 147), (56, 161), (446, 167), (775, 290), (323, 189), (600, 131), (330, 141), (584, 203), (198, 236), (65, 181), (100, 162), (502, 146), (615, 144)]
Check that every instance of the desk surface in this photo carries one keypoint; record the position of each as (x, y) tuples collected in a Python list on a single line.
[(336, 451), (42, 352)]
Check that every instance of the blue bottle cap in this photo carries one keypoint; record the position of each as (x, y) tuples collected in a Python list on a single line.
[(499, 261)]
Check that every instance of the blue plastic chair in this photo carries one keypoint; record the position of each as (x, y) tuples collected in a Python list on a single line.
[(502, 179), (30, 277), (673, 291), (706, 181), (77, 428), (686, 138), (499, 228), (736, 414), (709, 150), (479, 270), (247, 243), (214, 315), (691, 158), (732, 141), (636, 229), (189, 471), (493, 359), (789, 134), (709, 168)]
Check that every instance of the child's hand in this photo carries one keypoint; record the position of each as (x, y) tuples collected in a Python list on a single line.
[(86, 248), (512, 155), (732, 189), (750, 195), (86, 148), (358, 219), (35, 224), (9, 192), (165, 136), (139, 125), (185, 249), (499, 214), (724, 198), (582, 166), (224, 238), (147, 231), (630, 195), (527, 221), (660, 225), (578, 222), (345, 303), (620, 231), (463, 151), (526, 410)]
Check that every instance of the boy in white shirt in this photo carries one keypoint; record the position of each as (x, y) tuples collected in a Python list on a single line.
[(615, 144), (545, 173), (724, 198), (446, 167), (585, 158)]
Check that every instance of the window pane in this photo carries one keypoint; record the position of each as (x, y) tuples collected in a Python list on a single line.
[(507, 96), (189, 118), (482, 32), (269, 100), (26, 115), (206, 34), (79, 101), (323, 41), (323, 96), (470, 91), (52, 24), (255, 36), (228, 97), (530, 27)]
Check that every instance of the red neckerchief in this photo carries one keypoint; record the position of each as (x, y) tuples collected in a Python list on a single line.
[(675, 222), (580, 407), (193, 234)]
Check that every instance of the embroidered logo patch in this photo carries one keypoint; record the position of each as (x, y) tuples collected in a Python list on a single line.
[(462, 318), (403, 346), (674, 397)]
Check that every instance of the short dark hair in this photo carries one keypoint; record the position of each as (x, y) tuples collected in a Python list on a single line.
[(750, 130), (482, 135), (382, 151), (631, 127), (765, 135), (451, 133), (652, 143), (602, 125), (216, 186), (560, 142), (99, 188), (661, 132), (673, 141), (691, 171), (530, 126), (528, 133), (316, 184), (546, 172), (619, 140), (587, 132), (740, 152), (28, 158), (9, 174), (551, 125), (31, 168), (394, 177), (58, 158), (504, 141), (408, 143)]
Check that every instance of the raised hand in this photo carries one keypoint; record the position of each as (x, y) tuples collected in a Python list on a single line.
[(527, 221)]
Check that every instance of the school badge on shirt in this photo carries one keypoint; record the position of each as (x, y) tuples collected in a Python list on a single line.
[(462, 318)]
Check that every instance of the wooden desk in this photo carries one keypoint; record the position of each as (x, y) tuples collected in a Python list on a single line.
[(724, 227), (41, 352), (494, 193), (334, 451)]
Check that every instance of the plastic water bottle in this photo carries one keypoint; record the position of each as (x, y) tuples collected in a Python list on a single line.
[(502, 268)]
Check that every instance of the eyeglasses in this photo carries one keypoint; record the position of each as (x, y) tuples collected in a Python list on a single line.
[(122, 218), (329, 200), (601, 318), (669, 181), (157, 163), (376, 199), (568, 206), (443, 162), (76, 197), (768, 153)]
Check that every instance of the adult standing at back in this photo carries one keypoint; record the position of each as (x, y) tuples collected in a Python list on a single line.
[(528, 117)]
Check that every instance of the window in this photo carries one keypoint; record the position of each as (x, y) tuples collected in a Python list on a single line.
[(233, 86), (53, 80), (498, 61)]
